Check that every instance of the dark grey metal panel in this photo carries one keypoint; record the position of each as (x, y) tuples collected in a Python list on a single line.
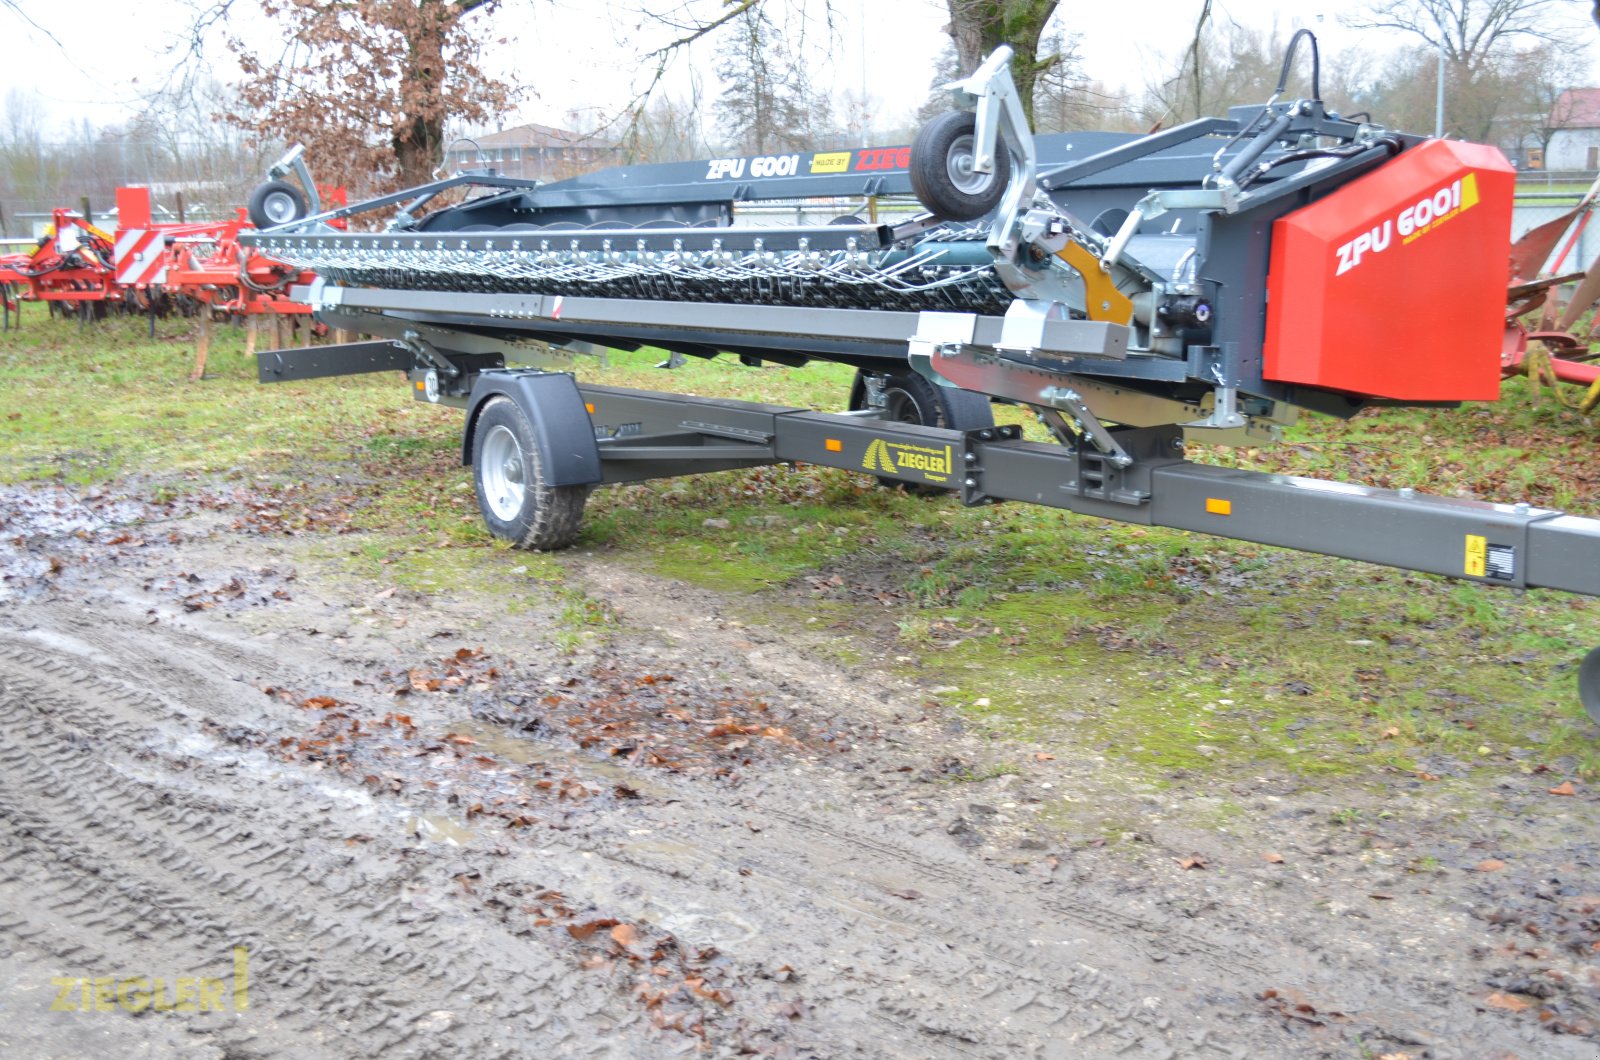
[(1564, 553), (1036, 473), (734, 323), (1415, 531), (906, 452), (322, 362)]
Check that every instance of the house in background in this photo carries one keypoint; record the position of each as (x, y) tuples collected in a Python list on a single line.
[(535, 152), (1575, 141)]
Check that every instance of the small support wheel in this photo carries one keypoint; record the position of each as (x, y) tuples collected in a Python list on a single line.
[(909, 397), (942, 173), (508, 470), (1589, 683), (277, 202)]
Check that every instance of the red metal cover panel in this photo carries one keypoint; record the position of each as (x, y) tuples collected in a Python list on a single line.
[(1395, 285)]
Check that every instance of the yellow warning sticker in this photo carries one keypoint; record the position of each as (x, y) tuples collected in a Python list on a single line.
[(830, 162), (1477, 556)]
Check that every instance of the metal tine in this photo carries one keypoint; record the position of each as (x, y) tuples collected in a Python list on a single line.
[(1583, 298)]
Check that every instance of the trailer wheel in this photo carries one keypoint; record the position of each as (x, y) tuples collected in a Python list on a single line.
[(908, 397), (1589, 683), (517, 501), (277, 202), (941, 169)]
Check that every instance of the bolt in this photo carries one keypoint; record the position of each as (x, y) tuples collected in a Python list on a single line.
[(1177, 443), (1522, 507), (970, 483), (1406, 493), (970, 458)]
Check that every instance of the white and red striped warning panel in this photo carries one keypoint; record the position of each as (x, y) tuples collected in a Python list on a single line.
[(140, 257)]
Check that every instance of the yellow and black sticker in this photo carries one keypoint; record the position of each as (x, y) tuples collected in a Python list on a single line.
[(922, 462), (1495, 562), (830, 162)]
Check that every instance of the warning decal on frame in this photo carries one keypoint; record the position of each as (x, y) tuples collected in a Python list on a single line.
[(1495, 562)]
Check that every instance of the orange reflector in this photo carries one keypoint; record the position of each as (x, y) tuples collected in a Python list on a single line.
[(833, 445), (1217, 506), (421, 385), (590, 407)]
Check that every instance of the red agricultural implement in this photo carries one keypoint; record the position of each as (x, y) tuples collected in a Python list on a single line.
[(70, 269), (1561, 345), (198, 269)]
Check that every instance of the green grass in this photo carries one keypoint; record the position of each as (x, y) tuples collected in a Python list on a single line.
[(1162, 651)]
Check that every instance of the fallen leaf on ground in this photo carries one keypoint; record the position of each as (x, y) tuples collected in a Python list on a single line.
[(1043, 756), (1490, 865), (1275, 859), (1565, 788), (624, 935), (908, 894), (1195, 862), (1509, 1002), (581, 932)]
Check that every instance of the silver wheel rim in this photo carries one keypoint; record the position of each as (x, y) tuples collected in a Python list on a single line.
[(900, 407), (279, 207), (958, 163), (500, 471)]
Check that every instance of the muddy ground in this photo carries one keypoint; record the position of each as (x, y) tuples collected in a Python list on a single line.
[(437, 823)]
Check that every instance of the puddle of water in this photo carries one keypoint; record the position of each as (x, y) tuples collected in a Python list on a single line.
[(497, 740), (439, 828)]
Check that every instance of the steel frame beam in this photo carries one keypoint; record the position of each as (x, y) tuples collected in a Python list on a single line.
[(652, 435)]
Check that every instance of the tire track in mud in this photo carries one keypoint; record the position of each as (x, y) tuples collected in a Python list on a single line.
[(980, 966), (1384, 1004), (152, 825), (103, 851)]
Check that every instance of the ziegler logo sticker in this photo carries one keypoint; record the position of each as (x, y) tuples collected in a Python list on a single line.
[(883, 158), (830, 162), (1413, 222), (896, 458)]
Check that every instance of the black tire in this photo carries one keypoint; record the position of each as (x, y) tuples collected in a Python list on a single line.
[(941, 169), (910, 398), (1589, 683), (517, 502), (277, 202)]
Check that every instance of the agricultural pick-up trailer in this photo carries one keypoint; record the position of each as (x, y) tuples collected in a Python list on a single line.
[(1206, 282)]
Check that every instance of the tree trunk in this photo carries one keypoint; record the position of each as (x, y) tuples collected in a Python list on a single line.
[(419, 138), (978, 27)]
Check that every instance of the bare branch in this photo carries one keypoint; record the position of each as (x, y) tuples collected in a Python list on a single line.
[(702, 29)]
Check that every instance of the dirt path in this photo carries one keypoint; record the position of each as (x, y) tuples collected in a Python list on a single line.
[(433, 826)]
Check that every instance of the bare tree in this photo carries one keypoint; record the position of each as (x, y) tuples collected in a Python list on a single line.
[(1541, 103), (946, 68), (1225, 65), (368, 85), (1470, 32), (665, 130), (978, 27), (768, 102), (1065, 100)]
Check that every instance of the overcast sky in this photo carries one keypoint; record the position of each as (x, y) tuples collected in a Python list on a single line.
[(585, 54)]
